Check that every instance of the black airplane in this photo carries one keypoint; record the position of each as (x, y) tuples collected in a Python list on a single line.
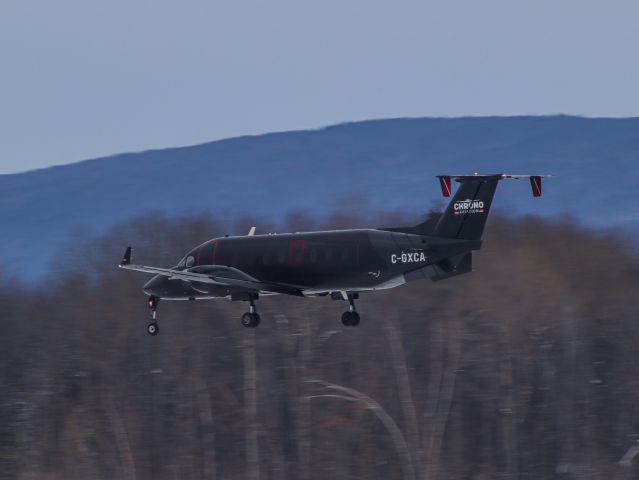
[(336, 263)]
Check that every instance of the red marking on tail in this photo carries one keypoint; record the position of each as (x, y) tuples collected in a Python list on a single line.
[(444, 182), (535, 183)]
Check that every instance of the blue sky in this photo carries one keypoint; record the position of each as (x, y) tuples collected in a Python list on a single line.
[(81, 79)]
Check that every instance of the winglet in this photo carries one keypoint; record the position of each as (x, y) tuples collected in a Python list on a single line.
[(251, 232), (126, 260), (444, 182), (535, 183)]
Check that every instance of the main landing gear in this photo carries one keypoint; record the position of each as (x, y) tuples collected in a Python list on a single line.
[(251, 319), (153, 328), (351, 317)]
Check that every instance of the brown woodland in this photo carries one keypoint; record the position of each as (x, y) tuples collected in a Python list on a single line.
[(524, 369)]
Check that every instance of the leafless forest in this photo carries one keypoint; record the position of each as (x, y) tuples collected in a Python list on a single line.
[(525, 369)]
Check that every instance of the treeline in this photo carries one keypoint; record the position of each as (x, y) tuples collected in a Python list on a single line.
[(524, 369)]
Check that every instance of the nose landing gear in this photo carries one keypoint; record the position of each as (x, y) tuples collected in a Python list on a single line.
[(153, 328)]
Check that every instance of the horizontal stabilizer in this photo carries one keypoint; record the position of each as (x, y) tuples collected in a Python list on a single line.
[(445, 181)]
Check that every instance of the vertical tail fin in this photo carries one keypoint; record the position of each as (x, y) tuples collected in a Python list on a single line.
[(466, 214)]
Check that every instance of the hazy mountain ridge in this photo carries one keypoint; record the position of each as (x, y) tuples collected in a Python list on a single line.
[(390, 162)]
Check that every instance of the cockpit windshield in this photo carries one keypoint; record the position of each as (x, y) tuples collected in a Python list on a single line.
[(186, 262)]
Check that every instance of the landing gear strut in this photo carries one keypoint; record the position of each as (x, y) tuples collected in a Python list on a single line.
[(251, 319), (351, 317), (153, 328)]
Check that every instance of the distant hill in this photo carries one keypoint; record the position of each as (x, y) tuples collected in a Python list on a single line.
[(389, 162)]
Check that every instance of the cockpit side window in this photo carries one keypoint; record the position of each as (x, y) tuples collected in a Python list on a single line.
[(188, 261)]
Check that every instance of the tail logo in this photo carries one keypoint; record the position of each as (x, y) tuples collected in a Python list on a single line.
[(463, 207)]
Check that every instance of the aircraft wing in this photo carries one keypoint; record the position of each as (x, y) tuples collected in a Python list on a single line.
[(212, 274)]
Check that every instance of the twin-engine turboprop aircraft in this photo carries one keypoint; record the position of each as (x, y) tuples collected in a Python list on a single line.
[(337, 263)]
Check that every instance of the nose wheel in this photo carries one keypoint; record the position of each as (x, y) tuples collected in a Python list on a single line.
[(153, 328), (251, 319)]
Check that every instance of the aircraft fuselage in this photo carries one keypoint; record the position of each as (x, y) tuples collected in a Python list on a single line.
[(316, 262)]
